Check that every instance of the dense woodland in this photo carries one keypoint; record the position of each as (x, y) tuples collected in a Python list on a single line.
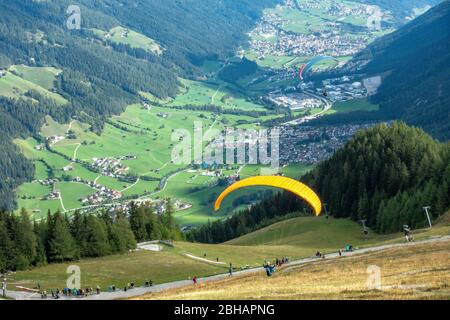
[(99, 78), (25, 243), (385, 175)]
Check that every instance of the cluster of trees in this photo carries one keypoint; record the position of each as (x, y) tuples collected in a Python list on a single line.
[(58, 238), (385, 175), (236, 70)]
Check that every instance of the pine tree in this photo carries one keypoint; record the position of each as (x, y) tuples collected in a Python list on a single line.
[(97, 244), (61, 245), (78, 231), (121, 237), (5, 246), (25, 237), (40, 231), (137, 222)]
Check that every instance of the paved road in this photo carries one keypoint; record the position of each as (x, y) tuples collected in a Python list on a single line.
[(20, 295)]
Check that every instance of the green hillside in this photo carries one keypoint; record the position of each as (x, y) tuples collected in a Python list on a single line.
[(307, 232)]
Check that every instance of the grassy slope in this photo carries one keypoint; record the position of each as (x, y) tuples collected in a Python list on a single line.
[(12, 86), (133, 39), (416, 272), (296, 238), (42, 76)]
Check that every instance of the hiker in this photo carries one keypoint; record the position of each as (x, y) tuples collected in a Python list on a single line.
[(270, 270), (151, 283), (194, 280), (407, 231), (340, 253), (217, 259), (230, 270), (98, 289)]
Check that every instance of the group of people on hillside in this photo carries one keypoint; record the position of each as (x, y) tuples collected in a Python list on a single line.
[(130, 286), (271, 267), (80, 293), (68, 292)]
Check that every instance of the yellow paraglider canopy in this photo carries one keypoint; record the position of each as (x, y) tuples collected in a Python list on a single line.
[(288, 184)]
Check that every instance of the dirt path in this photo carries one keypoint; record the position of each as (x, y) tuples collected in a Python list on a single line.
[(203, 259)]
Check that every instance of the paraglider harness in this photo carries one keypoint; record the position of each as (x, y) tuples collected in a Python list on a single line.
[(270, 270), (348, 248)]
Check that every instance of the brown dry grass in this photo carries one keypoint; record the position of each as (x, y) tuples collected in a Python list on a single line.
[(418, 272)]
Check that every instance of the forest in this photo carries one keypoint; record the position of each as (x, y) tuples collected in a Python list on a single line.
[(25, 243)]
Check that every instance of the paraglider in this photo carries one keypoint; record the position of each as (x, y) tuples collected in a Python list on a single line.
[(308, 66), (288, 184)]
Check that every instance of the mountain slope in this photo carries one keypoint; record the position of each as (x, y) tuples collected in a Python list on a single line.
[(415, 62)]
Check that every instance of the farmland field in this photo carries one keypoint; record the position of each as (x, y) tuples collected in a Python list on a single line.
[(146, 134)]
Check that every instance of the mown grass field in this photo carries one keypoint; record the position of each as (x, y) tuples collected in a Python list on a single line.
[(42, 76), (20, 79), (297, 238), (121, 35)]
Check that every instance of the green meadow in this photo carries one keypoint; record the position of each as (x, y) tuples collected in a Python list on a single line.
[(121, 35), (18, 80)]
